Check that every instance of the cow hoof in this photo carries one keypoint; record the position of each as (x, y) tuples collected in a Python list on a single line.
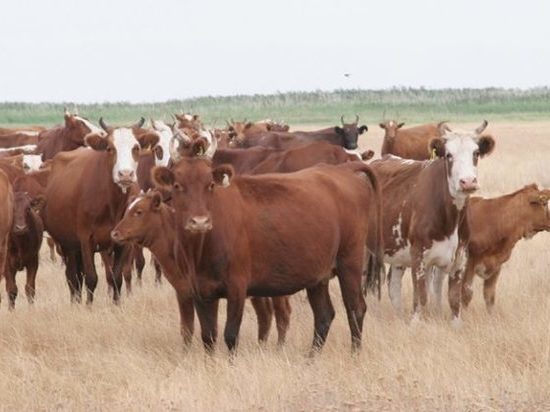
[(456, 322)]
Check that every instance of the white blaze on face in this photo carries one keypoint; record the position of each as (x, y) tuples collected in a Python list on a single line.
[(125, 166), (134, 203), (462, 148), (165, 135), (32, 163), (90, 126)]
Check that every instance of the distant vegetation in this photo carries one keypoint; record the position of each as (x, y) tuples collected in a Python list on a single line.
[(411, 105)]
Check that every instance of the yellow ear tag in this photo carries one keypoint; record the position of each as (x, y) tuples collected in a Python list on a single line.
[(433, 154)]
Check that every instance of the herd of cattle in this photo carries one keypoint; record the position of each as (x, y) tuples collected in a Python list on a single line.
[(255, 210)]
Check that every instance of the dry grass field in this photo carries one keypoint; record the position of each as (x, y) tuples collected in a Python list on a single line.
[(58, 356)]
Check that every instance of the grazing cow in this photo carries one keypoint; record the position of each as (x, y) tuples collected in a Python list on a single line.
[(239, 236), (6, 219), (495, 226), (64, 138), (423, 210), (86, 196), (345, 136), (410, 143), (150, 223), (24, 244)]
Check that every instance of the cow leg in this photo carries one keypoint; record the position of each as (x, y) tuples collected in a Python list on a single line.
[(30, 287), (127, 270), (139, 261), (11, 286), (120, 254), (349, 276), (264, 313), (489, 289), (437, 286), (282, 309), (90, 274), (455, 287), (236, 298), (51, 246), (467, 281), (323, 314), (158, 272), (418, 271), (187, 317), (73, 275), (207, 312), (395, 276)]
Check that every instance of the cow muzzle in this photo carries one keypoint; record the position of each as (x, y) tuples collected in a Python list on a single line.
[(199, 224), (126, 178), (19, 229), (117, 236)]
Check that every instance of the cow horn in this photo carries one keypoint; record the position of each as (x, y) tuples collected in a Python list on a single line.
[(139, 124), (342, 119), (232, 121), (482, 127), (174, 146), (356, 118), (66, 111), (103, 124), (212, 147), (75, 109)]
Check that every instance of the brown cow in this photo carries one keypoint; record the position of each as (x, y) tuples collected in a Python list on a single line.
[(241, 236), (22, 129), (423, 208), (149, 222), (64, 138), (16, 139), (86, 196), (191, 121), (496, 225), (410, 143), (24, 245), (6, 219)]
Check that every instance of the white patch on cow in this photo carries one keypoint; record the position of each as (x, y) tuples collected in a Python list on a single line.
[(390, 123), (436, 285), (124, 141), (225, 180), (442, 253), (28, 148), (165, 135), (461, 147), (353, 152), (134, 202), (481, 271), (401, 257), (89, 125), (28, 132), (394, 287), (408, 161), (32, 163)]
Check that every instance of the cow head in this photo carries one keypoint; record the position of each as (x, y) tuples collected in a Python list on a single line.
[(391, 127), (165, 135), (24, 207), (78, 127), (141, 218), (461, 152), (350, 132), (192, 183), (238, 131), (186, 120), (184, 145), (123, 146), (538, 211)]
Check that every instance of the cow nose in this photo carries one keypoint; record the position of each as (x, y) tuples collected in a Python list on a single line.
[(352, 146), (126, 174), (199, 224), (115, 235), (469, 184), (19, 228)]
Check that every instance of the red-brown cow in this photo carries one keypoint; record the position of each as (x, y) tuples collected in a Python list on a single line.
[(16, 139), (6, 219), (64, 138), (86, 196), (410, 143), (260, 236), (22, 129), (150, 223), (24, 245), (423, 208)]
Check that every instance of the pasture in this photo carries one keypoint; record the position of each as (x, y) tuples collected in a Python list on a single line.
[(72, 357)]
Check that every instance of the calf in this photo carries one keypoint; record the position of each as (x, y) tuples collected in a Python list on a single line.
[(150, 223), (239, 236), (423, 211), (495, 226), (24, 244)]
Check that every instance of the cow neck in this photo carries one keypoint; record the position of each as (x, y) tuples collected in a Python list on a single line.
[(161, 239), (189, 250)]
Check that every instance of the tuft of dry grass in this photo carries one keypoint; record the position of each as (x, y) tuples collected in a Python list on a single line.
[(69, 357)]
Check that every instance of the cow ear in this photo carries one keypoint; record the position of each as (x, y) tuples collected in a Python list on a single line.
[(148, 139), (163, 178), (248, 125), (199, 147), (437, 146), (96, 142), (538, 199), (366, 155), (339, 130), (159, 152), (223, 174), (156, 200), (382, 125), (363, 129), (400, 125), (38, 203), (486, 145)]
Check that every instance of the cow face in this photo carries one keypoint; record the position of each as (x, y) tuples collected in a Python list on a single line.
[(391, 127), (24, 207), (238, 131), (141, 217), (192, 183), (191, 121), (539, 214), (78, 127), (123, 146), (349, 133), (461, 152)]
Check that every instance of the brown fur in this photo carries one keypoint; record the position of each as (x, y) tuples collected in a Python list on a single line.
[(6, 219), (409, 143)]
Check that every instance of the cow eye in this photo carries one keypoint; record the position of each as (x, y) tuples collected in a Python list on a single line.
[(449, 156), (138, 212), (110, 149), (476, 154), (177, 186)]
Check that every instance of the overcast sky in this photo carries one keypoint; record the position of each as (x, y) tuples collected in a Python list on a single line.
[(135, 50)]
